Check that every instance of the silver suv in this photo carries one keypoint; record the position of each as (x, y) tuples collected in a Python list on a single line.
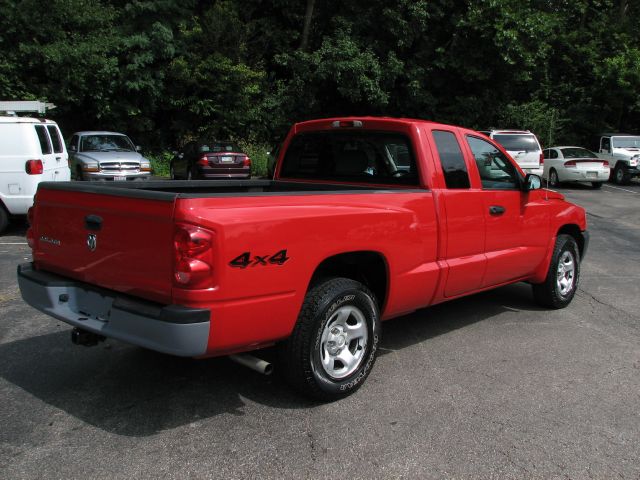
[(523, 146), (106, 156)]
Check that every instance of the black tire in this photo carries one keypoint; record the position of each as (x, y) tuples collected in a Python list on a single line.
[(301, 355), (554, 180), (79, 173), (620, 175), (596, 185), (548, 293), (4, 218)]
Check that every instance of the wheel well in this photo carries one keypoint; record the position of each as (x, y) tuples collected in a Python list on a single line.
[(575, 232), (369, 268)]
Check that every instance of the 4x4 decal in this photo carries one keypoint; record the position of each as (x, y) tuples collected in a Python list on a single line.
[(247, 260)]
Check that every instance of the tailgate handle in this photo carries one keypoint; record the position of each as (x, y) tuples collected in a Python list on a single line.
[(93, 222)]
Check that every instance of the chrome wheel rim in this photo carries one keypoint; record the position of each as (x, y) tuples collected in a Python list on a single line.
[(343, 342), (554, 178), (619, 175), (566, 273)]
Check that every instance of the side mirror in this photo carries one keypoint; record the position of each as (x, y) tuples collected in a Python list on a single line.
[(72, 148), (138, 148), (532, 182)]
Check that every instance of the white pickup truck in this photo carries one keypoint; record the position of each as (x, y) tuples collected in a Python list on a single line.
[(623, 153)]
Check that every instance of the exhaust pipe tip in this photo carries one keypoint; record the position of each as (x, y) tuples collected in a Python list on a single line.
[(85, 338), (254, 363)]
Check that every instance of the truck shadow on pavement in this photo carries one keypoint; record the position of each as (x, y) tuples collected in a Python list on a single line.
[(134, 392)]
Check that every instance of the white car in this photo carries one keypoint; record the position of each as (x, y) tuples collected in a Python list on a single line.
[(574, 164), (31, 151), (522, 145)]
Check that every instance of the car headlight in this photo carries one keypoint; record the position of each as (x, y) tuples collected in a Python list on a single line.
[(90, 167), (145, 165)]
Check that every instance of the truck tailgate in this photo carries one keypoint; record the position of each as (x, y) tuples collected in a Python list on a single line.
[(115, 242)]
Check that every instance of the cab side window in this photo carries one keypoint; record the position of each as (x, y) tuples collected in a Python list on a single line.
[(455, 171), (496, 171), (43, 138), (606, 144)]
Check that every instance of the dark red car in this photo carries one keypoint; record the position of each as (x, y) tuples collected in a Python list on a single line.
[(210, 160)]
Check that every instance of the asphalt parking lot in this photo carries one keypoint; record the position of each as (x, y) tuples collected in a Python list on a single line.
[(489, 386)]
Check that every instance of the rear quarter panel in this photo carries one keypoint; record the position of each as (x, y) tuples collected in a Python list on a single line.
[(260, 303)]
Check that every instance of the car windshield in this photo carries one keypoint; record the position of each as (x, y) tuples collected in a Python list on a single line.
[(575, 152), (220, 147), (517, 142), (626, 142), (106, 143)]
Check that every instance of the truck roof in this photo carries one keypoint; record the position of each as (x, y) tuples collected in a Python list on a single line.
[(327, 122), (11, 119), (618, 135)]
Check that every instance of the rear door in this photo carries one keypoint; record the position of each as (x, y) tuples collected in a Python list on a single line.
[(49, 162), (463, 244), (61, 165), (523, 147)]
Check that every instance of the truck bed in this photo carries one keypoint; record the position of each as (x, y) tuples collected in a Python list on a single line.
[(170, 190)]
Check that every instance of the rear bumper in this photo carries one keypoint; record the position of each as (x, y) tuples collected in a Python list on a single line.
[(533, 170), (223, 172), (171, 329), (595, 175)]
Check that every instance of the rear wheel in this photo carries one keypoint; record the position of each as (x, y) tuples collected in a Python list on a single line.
[(334, 343), (561, 283), (554, 181), (620, 175), (4, 218)]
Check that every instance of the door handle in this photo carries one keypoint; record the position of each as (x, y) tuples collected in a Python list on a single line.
[(58, 158), (496, 210)]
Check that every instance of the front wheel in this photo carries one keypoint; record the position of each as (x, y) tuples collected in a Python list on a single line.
[(561, 283), (334, 343)]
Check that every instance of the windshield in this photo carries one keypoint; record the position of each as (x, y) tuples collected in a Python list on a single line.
[(106, 143), (518, 142), (626, 142), (220, 147), (575, 152)]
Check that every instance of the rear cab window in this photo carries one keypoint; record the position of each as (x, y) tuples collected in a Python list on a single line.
[(370, 157), (521, 142)]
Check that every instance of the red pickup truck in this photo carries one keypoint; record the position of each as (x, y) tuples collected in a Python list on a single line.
[(366, 219)]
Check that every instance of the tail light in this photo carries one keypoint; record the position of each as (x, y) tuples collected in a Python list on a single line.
[(31, 238), (541, 158), (30, 233), (570, 164), (193, 248), (605, 163), (204, 161), (246, 162), (34, 167)]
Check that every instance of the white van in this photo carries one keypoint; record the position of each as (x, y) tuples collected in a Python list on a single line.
[(31, 151), (523, 146)]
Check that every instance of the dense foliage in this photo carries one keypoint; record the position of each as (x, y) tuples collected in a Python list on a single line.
[(166, 71)]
